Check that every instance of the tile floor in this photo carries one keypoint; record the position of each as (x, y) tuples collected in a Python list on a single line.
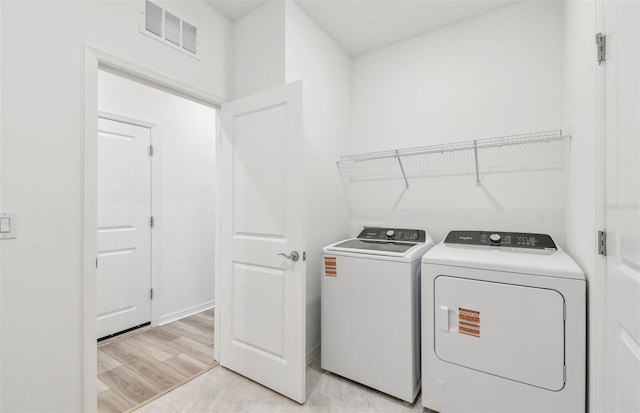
[(221, 390)]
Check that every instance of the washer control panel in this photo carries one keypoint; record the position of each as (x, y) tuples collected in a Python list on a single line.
[(393, 234), (501, 239)]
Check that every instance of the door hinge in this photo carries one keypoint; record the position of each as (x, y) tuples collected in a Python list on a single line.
[(602, 243), (151, 221), (601, 44), (151, 294), (150, 150)]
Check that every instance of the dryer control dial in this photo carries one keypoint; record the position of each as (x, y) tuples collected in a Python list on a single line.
[(495, 237), (391, 233)]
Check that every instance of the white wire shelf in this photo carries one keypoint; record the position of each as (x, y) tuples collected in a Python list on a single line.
[(545, 150)]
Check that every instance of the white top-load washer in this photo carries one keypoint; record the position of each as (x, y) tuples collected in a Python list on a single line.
[(503, 325), (371, 309)]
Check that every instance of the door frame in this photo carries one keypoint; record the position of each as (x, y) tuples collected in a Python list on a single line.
[(156, 205), (94, 60), (600, 283), (597, 337)]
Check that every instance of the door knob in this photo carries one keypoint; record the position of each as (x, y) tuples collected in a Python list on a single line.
[(294, 256)]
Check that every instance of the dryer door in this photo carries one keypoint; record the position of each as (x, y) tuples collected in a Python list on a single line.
[(515, 332)]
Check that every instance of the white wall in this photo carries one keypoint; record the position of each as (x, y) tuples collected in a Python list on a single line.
[(1, 128), (494, 75), (498, 74), (184, 143), (259, 50), (581, 115), (42, 175), (313, 56)]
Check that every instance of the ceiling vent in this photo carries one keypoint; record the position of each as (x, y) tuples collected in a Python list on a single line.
[(169, 29)]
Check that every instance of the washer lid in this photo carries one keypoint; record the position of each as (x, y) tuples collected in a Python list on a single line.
[(384, 246), (399, 243)]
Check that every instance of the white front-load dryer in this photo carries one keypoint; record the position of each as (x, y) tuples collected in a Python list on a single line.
[(370, 325), (503, 326)]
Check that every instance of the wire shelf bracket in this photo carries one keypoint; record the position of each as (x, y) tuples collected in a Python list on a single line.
[(475, 155), (404, 175)]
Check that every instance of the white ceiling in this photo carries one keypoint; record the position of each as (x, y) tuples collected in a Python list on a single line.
[(235, 9), (361, 26)]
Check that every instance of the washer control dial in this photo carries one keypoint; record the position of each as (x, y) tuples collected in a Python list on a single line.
[(391, 233), (495, 237)]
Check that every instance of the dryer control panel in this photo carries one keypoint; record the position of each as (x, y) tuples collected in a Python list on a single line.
[(501, 239), (393, 234)]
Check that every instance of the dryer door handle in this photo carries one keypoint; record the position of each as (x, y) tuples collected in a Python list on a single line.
[(443, 318)]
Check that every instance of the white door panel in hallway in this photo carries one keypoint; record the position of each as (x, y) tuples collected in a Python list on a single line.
[(263, 310), (124, 233), (622, 67)]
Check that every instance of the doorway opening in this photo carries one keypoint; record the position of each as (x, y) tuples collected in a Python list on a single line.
[(155, 239)]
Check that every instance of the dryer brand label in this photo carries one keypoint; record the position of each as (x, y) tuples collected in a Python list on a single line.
[(330, 268), (469, 322)]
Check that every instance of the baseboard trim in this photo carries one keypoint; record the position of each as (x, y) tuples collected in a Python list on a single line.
[(313, 353), (177, 315)]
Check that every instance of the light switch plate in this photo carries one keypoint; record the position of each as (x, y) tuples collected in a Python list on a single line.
[(12, 216)]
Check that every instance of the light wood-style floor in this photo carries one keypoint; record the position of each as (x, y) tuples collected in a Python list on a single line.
[(221, 390), (141, 366)]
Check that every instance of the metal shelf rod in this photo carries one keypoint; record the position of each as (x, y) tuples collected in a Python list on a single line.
[(462, 146)]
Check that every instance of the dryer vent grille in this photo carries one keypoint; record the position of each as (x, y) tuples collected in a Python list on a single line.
[(168, 28)]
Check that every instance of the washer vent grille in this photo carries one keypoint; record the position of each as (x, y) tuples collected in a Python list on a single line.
[(168, 28)]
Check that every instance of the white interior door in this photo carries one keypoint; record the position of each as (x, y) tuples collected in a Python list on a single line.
[(124, 233), (262, 331), (622, 361)]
